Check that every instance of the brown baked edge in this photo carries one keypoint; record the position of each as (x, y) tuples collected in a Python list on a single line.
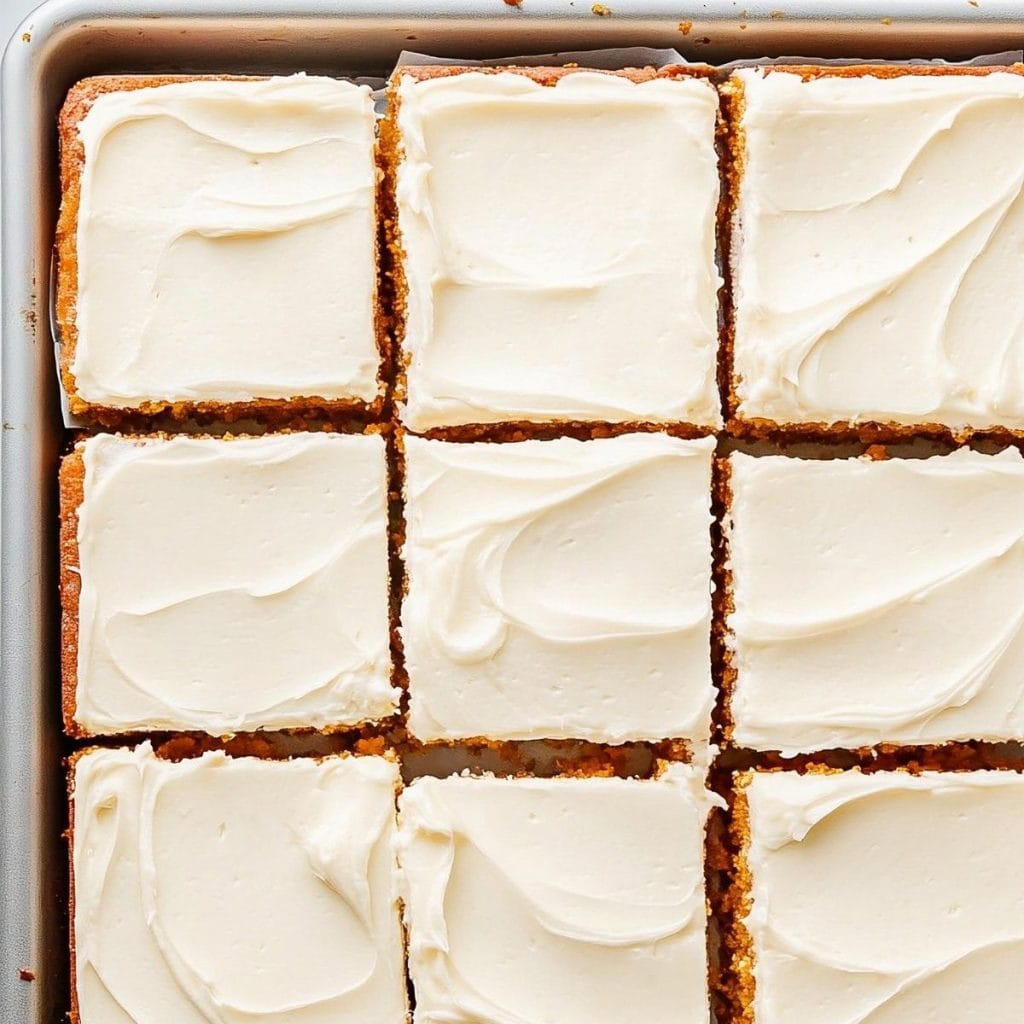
[(71, 487), (722, 605), (807, 72), (391, 153), (71, 478), (510, 431), (737, 980), (868, 432), (76, 106), (760, 429)]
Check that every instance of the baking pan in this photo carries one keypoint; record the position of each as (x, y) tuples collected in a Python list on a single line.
[(66, 40)]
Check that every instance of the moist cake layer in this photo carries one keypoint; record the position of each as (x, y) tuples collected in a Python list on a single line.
[(558, 248), (877, 260), (233, 584), (234, 889), (886, 898), (226, 244), (579, 901), (876, 602), (559, 589)]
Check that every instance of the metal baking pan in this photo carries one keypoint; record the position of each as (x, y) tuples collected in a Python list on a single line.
[(66, 40)]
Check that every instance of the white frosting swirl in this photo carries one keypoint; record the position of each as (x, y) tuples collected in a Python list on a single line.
[(233, 890), (226, 243), (877, 602), (231, 585), (576, 900), (886, 898), (559, 248), (878, 273), (559, 588)]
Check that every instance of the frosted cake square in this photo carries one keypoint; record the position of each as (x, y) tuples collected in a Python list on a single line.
[(877, 279), (594, 897), (233, 888), (555, 245), (225, 585), (887, 898), (217, 247), (875, 602), (559, 589)]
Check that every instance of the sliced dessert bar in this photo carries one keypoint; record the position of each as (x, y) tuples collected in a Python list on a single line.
[(217, 247), (559, 589), (555, 245), (225, 585), (887, 898), (876, 252), (234, 888), (875, 602), (576, 900)]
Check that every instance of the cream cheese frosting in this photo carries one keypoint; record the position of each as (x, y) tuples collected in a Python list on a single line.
[(877, 272), (559, 589), (877, 602), (233, 585), (576, 901), (559, 248), (227, 890), (886, 898), (227, 243)]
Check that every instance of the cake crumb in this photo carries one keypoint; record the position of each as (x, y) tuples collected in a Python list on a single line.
[(776, 15), (685, 27), (26, 975), (600, 10), (887, 21)]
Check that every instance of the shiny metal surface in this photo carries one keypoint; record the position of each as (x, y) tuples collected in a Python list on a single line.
[(69, 39)]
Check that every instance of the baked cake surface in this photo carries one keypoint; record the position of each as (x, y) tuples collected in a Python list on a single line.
[(559, 589), (218, 244), (557, 245), (226, 585), (876, 254), (884, 898), (876, 601), (235, 889), (576, 900)]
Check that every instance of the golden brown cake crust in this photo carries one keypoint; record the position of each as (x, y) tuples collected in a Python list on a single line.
[(730, 95), (277, 411), (549, 75), (72, 494), (391, 157), (868, 431), (809, 71), (69, 836), (722, 598), (508, 431)]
